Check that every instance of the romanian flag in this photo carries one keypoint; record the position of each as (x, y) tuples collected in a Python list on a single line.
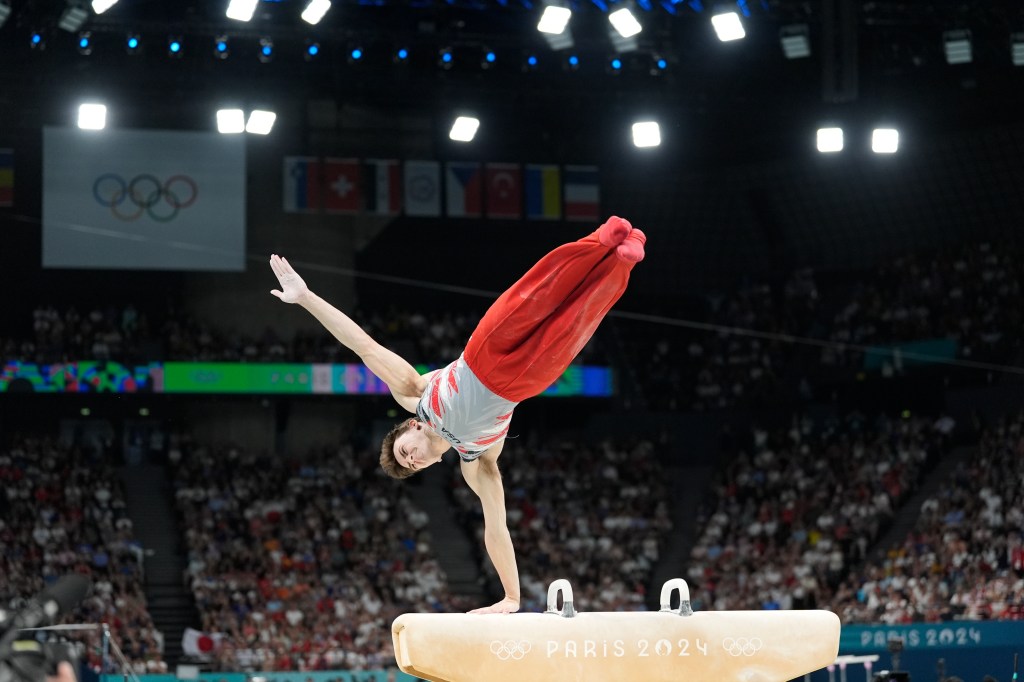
[(543, 189), (6, 177)]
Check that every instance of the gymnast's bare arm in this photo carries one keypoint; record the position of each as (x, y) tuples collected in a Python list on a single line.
[(483, 477), (402, 378)]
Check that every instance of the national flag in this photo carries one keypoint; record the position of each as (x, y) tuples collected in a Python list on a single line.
[(543, 192), (504, 184), (303, 177), (382, 186), (6, 177), (463, 189), (582, 193), (342, 186), (199, 644), (422, 188)]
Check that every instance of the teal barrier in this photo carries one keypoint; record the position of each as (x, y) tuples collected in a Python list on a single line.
[(965, 649)]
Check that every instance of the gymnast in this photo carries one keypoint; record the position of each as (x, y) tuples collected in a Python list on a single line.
[(523, 344)]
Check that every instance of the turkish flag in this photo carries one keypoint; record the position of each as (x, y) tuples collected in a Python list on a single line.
[(504, 189), (342, 186)]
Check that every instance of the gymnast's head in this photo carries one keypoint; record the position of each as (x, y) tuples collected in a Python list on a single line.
[(408, 448)]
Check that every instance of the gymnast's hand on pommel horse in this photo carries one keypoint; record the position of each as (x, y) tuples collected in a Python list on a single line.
[(523, 344)]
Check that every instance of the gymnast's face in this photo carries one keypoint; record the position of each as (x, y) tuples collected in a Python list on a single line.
[(413, 448)]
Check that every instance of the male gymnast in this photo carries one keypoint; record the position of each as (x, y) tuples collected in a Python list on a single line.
[(523, 344)]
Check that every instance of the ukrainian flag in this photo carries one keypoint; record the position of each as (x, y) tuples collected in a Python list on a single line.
[(6, 177), (543, 190)]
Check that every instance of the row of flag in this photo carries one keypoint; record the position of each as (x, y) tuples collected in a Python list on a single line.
[(6, 177), (456, 189)]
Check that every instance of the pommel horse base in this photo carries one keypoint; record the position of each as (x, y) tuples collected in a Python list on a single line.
[(666, 646)]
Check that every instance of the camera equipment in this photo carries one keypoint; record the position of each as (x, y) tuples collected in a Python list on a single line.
[(29, 660)]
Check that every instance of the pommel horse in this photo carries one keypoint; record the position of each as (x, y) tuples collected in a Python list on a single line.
[(665, 646)]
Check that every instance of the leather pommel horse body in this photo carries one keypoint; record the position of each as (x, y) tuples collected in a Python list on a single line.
[(665, 646)]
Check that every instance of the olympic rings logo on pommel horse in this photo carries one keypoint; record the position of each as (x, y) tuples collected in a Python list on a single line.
[(742, 646), (144, 193), (510, 649)]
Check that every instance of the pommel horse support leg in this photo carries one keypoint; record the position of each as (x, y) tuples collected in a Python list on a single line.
[(667, 646)]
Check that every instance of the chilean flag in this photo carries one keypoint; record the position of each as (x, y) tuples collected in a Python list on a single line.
[(463, 195), (302, 176)]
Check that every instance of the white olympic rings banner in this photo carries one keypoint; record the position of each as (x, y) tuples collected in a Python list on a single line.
[(143, 199)]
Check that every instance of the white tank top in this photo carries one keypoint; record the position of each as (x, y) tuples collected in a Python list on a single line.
[(463, 411)]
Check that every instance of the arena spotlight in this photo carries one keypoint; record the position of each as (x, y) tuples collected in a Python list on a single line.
[(266, 50), (133, 44), (401, 55), (646, 134), (464, 129), (615, 65), (830, 140), (658, 65), (531, 63), (355, 55), (488, 59), (241, 10), (885, 140), (73, 17), (230, 121), (624, 22), (220, 47), (5, 11), (260, 122), (174, 46), (101, 6), (728, 26), (445, 58), (795, 40), (1017, 49), (554, 19), (957, 45), (84, 43), (312, 50), (572, 62), (36, 41), (92, 116), (315, 11)]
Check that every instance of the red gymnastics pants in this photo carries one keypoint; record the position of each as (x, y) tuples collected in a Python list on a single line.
[(530, 335)]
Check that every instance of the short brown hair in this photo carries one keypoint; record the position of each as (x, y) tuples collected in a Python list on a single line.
[(388, 462)]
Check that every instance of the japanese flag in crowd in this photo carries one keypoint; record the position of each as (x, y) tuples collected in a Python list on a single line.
[(342, 183), (198, 644)]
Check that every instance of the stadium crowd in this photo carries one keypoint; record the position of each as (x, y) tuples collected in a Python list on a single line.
[(62, 511), (798, 506), (302, 565), (598, 512), (964, 558)]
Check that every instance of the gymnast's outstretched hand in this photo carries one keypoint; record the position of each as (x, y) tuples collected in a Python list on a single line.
[(506, 605), (294, 288)]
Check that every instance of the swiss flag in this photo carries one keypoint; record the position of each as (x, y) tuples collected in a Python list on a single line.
[(342, 185), (504, 185)]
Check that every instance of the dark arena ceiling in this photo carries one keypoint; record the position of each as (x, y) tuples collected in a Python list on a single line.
[(869, 61)]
